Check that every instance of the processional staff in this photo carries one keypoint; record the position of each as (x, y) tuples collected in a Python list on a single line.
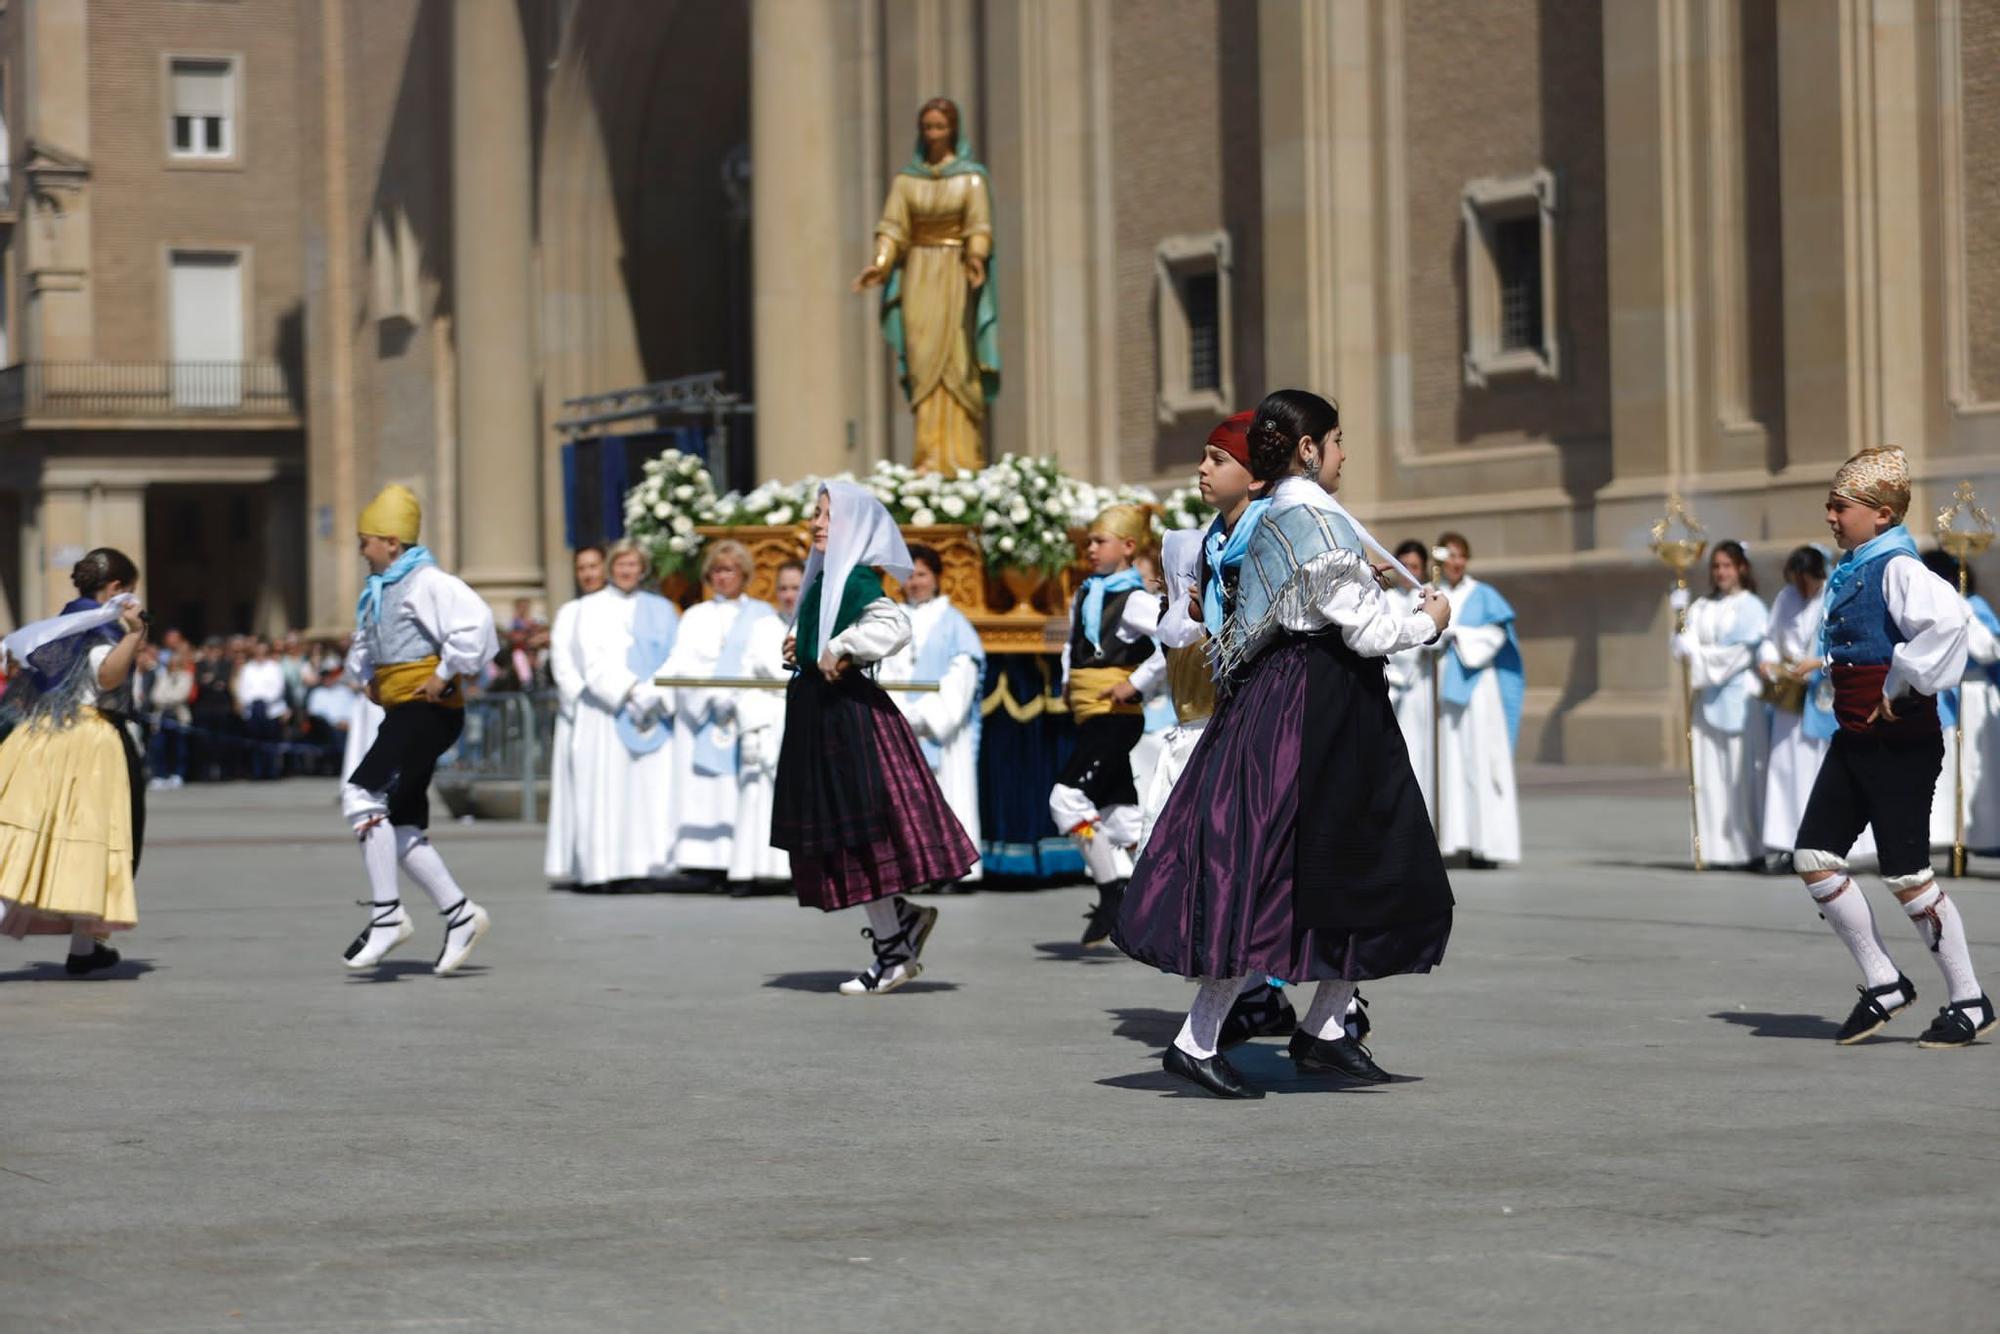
[(1679, 553), (1964, 530), (1438, 558), (766, 683)]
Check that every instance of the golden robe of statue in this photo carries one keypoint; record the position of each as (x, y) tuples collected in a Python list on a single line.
[(931, 247)]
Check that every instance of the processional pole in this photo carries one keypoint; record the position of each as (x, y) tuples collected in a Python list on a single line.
[(1437, 709), (1679, 553), (1964, 542)]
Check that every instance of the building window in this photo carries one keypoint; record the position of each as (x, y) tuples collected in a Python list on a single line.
[(1192, 294), (204, 108), (205, 331), (395, 266), (1510, 279)]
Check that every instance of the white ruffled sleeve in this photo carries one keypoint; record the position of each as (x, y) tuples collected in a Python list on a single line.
[(1350, 598), (881, 629), (1932, 617)]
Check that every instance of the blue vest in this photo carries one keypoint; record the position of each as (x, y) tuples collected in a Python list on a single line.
[(1859, 630)]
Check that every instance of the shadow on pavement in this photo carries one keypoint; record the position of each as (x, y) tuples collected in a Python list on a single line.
[(1068, 951), (831, 982), (1155, 1028), (1814, 1026), (395, 970), (51, 970)]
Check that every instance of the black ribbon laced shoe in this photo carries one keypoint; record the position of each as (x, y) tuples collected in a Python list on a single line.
[(895, 966), (101, 956), (388, 928), (916, 923), (1261, 1012), (1214, 1075), (1337, 1056), (1869, 1014), (1955, 1026), (1103, 915)]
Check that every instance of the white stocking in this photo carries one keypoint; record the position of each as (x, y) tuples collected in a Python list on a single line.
[(1213, 1000), (421, 860), (81, 941), (1939, 926), (883, 919), (1327, 1016), (1841, 903), (378, 855)]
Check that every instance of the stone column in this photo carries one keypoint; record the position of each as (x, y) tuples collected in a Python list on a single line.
[(54, 235), (492, 256), (1318, 109), (800, 272)]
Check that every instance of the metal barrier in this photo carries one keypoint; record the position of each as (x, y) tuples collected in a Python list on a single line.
[(507, 740)]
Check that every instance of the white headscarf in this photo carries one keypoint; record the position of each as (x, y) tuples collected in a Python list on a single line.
[(859, 531), (1180, 566), (1305, 491)]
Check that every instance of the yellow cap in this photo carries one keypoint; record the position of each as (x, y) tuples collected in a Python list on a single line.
[(1130, 522), (393, 513)]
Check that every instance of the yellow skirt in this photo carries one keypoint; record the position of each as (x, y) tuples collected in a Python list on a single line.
[(65, 829)]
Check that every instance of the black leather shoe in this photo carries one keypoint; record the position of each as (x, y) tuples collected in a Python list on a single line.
[(1215, 1074), (1261, 1012), (101, 956), (1337, 1056), (1955, 1026)]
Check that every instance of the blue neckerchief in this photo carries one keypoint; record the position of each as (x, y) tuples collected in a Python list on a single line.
[(369, 606), (1885, 543), (1225, 551), (1095, 589)]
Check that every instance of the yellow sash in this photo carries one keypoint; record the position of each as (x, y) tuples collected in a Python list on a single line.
[(1087, 683), (399, 683), (1191, 681)]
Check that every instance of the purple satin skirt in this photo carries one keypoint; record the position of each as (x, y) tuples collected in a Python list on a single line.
[(1296, 842)]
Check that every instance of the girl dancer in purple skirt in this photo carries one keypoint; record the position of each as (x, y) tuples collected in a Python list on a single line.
[(1296, 843), (854, 801)]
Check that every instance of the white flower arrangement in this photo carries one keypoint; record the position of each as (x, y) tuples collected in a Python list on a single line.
[(675, 494)]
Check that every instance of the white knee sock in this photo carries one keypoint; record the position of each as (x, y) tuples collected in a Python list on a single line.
[(1940, 927), (378, 855), (81, 941), (421, 860), (883, 919), (1213, 1000), (1846, 910), (1327, 1015)]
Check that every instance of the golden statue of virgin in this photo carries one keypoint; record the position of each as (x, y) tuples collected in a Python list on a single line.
[(932, 249)]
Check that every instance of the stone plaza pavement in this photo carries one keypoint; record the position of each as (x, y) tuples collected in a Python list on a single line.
[(650, 1113)]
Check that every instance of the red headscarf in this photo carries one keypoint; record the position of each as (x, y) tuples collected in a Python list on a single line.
[(1232, 437)]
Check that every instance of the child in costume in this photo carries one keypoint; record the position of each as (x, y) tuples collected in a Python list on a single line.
[(1108, 667), (1296, 844), (1894, 635), (419, 635), (855, 803), (67, 835)]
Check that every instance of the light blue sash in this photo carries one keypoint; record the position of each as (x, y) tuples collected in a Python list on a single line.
[(655, 623), (952, 637), (1487, 607), (715, 751)]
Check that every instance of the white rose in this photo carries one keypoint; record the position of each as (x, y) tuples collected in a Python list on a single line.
[(952, 506), (662, 509), (1054, 506), (702, 476), (780, 516), (683, 492), (1018, 512), (1007, 544), (923, 518), (682, 524)]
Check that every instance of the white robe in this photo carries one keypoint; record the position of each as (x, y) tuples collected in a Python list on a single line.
[(760, 727), (704, 804), (622, 813), (1409, 677), (1793, 636), (1978, 705), (1728, 766), (1482, 811), (566, 668), (944, 717)]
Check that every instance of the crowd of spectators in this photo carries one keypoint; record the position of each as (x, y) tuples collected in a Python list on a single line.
[(249, 707)]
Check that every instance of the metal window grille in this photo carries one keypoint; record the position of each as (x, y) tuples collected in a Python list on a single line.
[(1517, 261), (1201, 301)]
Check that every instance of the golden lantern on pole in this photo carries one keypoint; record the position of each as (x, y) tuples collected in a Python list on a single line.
[(1965, 531), (1679, 541)]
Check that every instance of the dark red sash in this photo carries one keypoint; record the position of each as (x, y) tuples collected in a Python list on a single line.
[(1858, 689)]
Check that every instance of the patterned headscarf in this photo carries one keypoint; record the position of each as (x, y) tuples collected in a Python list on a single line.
[(1874, 477)]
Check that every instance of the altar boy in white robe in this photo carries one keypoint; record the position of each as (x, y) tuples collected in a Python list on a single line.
[(1409, 673), (943, 648), (1480, 717), (621, 762), (566, 670), (1730, 732), (714, 636), (760, 733)]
